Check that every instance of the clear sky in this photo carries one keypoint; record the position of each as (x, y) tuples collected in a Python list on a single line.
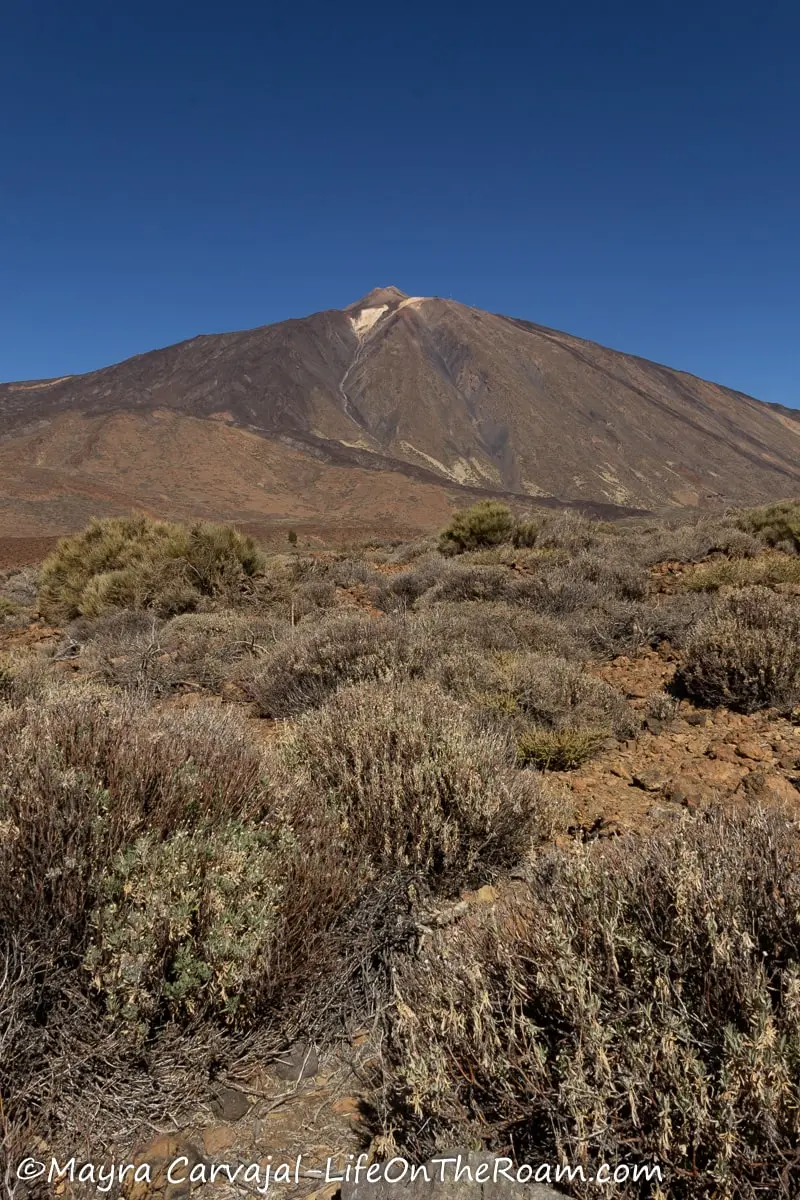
[(629, 172)]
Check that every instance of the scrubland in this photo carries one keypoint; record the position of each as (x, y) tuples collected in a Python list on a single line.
[(246, 798)]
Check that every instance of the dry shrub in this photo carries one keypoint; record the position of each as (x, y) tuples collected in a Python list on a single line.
[(661, 707), (409, 552), (486, 523), (638, 1001), (304, 670), (137, 651), (492, 625), (569, 530), (694, 540), (146, 879), (313, 595), (138, 563), (85, 770), (586, 582), (426, 572), (536, 689), (615, 627), (745, 654), (413, 785), (768, 570), (470, 583)]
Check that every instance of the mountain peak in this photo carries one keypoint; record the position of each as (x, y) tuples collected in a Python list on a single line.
[(377, 297)]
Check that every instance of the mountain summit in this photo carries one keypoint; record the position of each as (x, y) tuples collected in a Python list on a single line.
[(386, 411)]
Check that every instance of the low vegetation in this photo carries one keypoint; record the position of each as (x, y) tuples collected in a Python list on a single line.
[(745, 654), (246, 798), (136, 563), (777, 524), (636, 1002)]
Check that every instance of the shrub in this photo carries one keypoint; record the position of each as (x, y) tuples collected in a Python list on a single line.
[(692, 541), (85, 771), (136, 651), (412, 784), (185, 925), (745, 654), (636, 1001), (470, 583), (745, 572), (777, 524), (539, 689), (426, 572), (491, 625), (311, 596), (303, 671), (526, 533), (569, 530), (137, 563), (486, 523), (662, 707), (408, 552), (559, 749), (291, 537)]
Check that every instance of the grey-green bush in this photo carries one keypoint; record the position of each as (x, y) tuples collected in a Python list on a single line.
[(745, 654)]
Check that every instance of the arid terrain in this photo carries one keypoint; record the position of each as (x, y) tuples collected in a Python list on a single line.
[(386, 414), (487, 841)]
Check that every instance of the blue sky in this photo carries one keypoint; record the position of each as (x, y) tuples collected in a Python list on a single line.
[(627, 172)]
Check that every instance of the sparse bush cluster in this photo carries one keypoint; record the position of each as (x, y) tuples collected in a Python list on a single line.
[(175, 870)]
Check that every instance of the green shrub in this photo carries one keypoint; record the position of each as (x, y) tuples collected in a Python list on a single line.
[(413, 784), (138, 563), (745, 654), (558, 749), (291, 537), (636, 1001), (526, 533), (185, 925), (768, 571), (486, 523), (776, 524)]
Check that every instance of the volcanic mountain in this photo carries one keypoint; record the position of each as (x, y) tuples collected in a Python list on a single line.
[(383, 414)]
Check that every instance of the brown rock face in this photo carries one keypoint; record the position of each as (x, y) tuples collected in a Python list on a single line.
[(393, 408)]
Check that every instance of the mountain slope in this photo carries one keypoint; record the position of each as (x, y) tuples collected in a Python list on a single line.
[(431, 394)]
